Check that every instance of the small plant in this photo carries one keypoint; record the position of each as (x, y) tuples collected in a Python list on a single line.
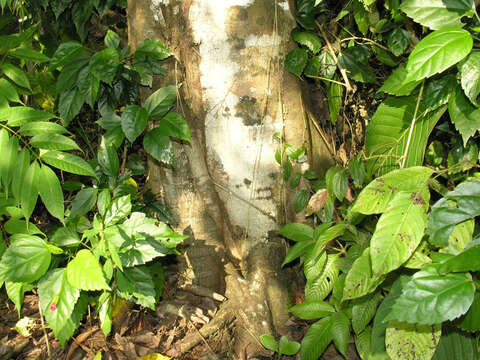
[(283, 347)]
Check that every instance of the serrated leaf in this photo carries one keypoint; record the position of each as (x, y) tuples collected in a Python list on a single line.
[(65, 53), (438, 51), (388, 133), (134, 121), (308, 39), (159, 146), (442, 297), (470, 77), (83, 202), (321, 65), (398, 84), (437, 92), (104, 64), (455, 344), (53, 142), (174, 125), (311, 310), (67, 162), (268, 341), (464, 116), (74, 321), (70, 74), (26, 259), (438, 14), (471, 320), (398, 41), (70, 104), (158, 104), (463, 262), (51, 192), (85, 273), (57, 298), (65, 236), (296, 60), (16, 75), (29, 195), (316, 340), (105, 312), (119, 209), (340, 331), (363, 311), (412, 341), (357, 70), (318, 288), (443, 216), (360, 279), (135, 284)]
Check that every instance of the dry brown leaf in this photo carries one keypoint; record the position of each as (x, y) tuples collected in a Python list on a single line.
[(317, 201)]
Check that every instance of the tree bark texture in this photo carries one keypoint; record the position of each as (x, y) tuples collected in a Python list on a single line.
[(226, 190)]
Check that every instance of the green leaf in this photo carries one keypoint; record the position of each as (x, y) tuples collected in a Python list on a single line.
[(397, 83), (363, 343), (65, 236), (398, 41), (377, 195), (29, 195), (311, 310), (399, 231), (438, 14), (463, 262), (119, 209), (316, 340), (300, 201), (286, 347), (51, 192), (16, 291), (88, 86), (108, 158), (174, 125), (412, 341), (22, 115), (471, 320), (134, 121), (364, 310), (70, 74), (442, 297), (57, 298), (104, 64), (65, 53), (464, 116), (340, 331), (105, 312), (152, 49), (269, 342), (9, 161), (42, 127), (388, 133), (70, 104), (26, 259), (357, 170), (321, 65), (313, 265), (437, 92), (83, 202), (340, 184), (335, 99), (8, 91), (20, 226), (358, 69), (53, 142), (67, 162), (297, 232), (360, 279), (159, 146), (438, 51), (21, 167), (135, 284), (81, 13), (74, 321), (16, 75), (444, 215), (112, 40), (158, 104), (296, 60), (360, 14), (455, 344), (318, 288), (470, 77), (308, 39), (28, 55), (85, 273)]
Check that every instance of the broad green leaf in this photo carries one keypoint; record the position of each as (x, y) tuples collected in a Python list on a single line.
[(286, 347), (50, 192), (321, 65), (318, 288), (463, 262), (8, 91), (74, 320), (67, 162), (26, 259), (308, 39), (438, 51), (8, 162), (300, 200), (21, 115), (26, 54), (471, 320), (65, 53), (377, 195), (412, 341), (39, 127), (65, 236), (20, 226), (135, 284), (112, 40), (159, 146), (438, 14), (326, 236), (340, 331), (335, 99), (388, 132), (363, 311), (53, 142), (357, 170), (85, 273), (29, 195), (105, 312), (104, 64), (57, 298), (108, 158), (88, 86), (16, 292), (134, 121), (360, 279), (81, 13), (399, 231), (363, 343), (437, 92), (444, 215), (385, 56), (316, 340), (58, 7), (360, 14), (268, 341), (296, 60), (313, 265), (462, 158), (442, 297), (297, 250), (470, 76), (353, 59), (174, 125), (119, 209), (158, 104), (311, 310), (455, 344), (460, 236), (340, 185), (21, 167), (151, 49), (464, 116), (297, 232), (83, 202), (397, 83), (398, 41), (16, 75), (70, 104), (70, 74)]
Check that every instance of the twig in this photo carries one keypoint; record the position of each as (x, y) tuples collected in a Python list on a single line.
[(326, 79), (410, 134), (47, 343), (330, 149)]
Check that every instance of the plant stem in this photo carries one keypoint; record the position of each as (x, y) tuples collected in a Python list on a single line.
[(410, 134), (49, 354), (326, 79)]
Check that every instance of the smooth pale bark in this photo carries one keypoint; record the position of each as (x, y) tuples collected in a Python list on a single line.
[(226, 190)]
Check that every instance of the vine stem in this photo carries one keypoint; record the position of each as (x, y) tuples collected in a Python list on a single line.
[(410, 134)]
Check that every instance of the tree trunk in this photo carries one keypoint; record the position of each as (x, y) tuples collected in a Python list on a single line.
[(226, 190)]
